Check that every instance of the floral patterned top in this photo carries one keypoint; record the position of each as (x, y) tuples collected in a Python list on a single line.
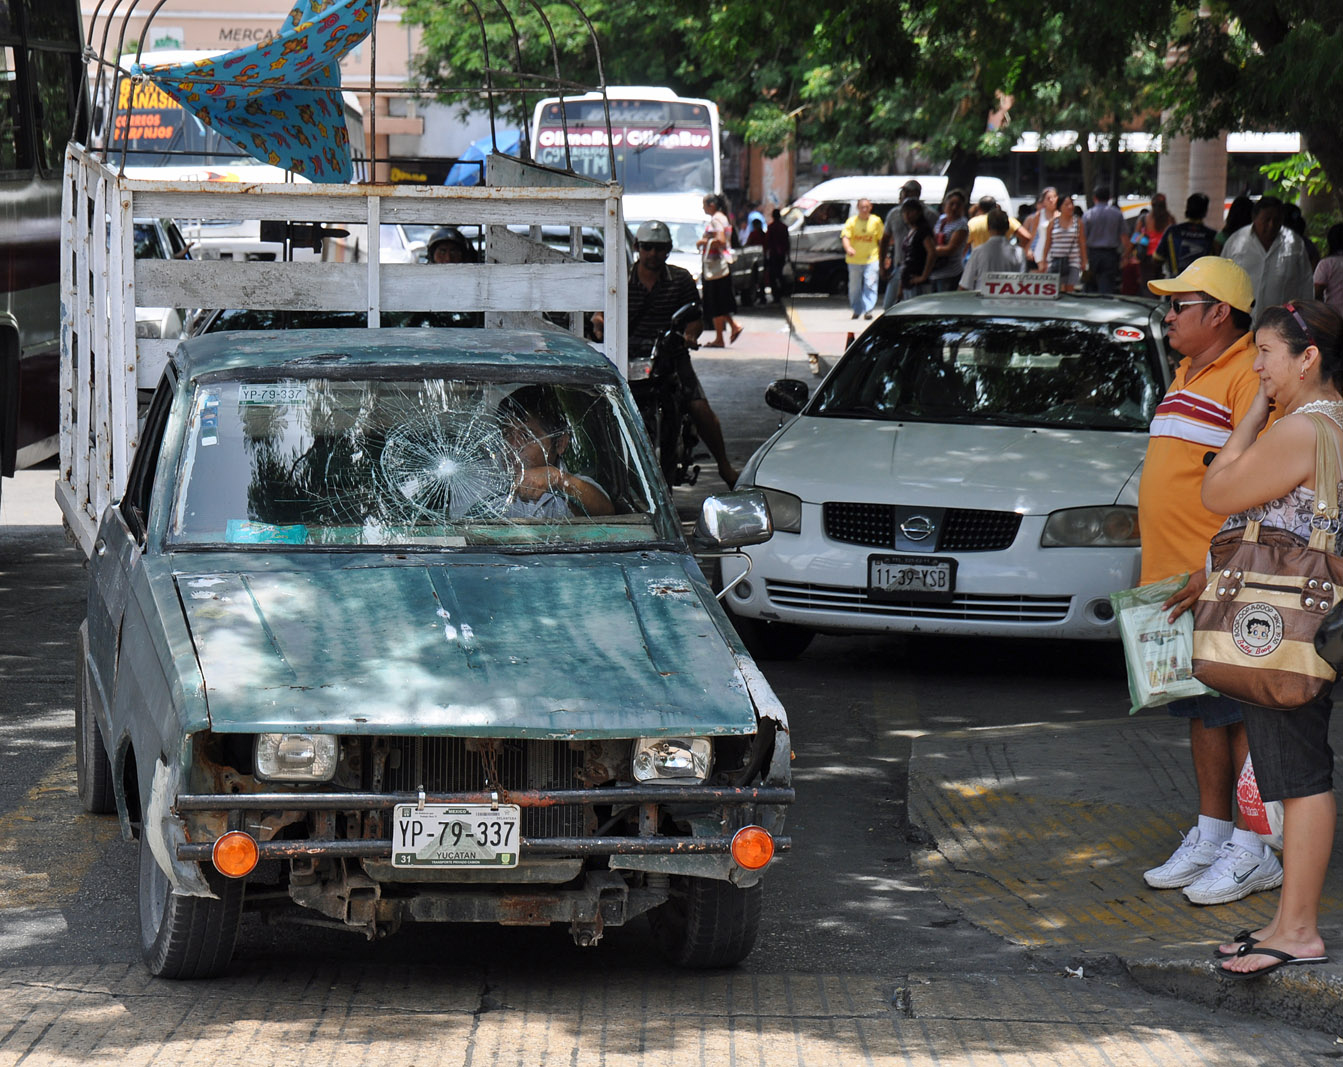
[(1296, 510)]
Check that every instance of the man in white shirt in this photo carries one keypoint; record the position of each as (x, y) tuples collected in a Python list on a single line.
[(1273, 256), (996, 255)]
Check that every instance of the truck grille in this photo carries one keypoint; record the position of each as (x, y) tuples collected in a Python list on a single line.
[(444, 765), (961, 529)]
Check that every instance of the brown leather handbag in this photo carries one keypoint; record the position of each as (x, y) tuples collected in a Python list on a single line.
[(1269, 590)]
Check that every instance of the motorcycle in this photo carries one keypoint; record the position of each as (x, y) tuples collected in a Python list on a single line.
[(656, 383)]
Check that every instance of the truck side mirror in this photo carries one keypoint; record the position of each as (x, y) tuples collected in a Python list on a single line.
[(787, 395), (731, 520)]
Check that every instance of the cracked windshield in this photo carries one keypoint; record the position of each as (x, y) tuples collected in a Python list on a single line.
[(434, 462), (1003, 372)]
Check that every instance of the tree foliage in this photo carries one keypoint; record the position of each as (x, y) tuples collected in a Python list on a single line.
[(856, 79), (1262, 64)]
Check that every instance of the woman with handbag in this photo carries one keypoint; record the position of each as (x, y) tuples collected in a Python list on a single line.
[(716, 271), (1271, 479)]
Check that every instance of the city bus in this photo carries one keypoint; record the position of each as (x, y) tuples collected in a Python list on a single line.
[(666, 147), (42, 105)]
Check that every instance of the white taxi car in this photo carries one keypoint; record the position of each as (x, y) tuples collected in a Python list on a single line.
[(970, 466)]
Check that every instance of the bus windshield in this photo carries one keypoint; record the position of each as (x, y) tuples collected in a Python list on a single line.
[(660, 146)]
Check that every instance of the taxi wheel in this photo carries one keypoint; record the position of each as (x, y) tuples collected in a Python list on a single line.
[(707, 922), (181, 936), (770, 640), (93, 770)]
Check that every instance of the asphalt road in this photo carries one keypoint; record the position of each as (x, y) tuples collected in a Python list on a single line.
[(857, 961)]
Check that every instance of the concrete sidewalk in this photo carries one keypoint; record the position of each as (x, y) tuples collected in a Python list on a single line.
[(1042, 835)]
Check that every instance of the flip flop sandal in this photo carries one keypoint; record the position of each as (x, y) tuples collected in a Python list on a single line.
[(1284, 960), (735, 334), (1246, 943)]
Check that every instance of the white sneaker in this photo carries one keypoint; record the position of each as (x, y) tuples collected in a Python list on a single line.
[(1186, 863), (1237, 872)]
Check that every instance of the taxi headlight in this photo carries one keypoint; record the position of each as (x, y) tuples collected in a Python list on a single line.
[(785, 510), (672, 759), (296, 757), (148, 328), (1108, 527)]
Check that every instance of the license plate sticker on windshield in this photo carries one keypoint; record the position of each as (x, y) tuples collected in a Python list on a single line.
[(455, 835), (911, 577)]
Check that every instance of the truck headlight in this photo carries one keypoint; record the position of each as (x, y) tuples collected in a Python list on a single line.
[(1108, 527), (296, 757), (672, 759)]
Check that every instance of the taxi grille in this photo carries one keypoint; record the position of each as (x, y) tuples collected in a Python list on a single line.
[(961, 529), (964, 607), (445, 765)]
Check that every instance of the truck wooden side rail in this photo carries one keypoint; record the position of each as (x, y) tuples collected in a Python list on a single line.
[(104, 365)]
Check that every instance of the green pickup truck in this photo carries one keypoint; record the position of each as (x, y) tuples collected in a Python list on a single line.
[(399, 625)]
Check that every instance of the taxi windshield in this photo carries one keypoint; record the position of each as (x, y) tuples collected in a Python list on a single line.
[(982, 370), (428, 461)]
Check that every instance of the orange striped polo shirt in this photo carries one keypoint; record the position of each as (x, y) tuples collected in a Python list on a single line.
[(1195, 417)]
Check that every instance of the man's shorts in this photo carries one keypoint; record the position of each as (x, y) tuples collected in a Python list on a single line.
[(1214, 709)]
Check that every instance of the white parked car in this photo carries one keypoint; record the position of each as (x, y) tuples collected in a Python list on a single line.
[(161, 239), (970, 466)]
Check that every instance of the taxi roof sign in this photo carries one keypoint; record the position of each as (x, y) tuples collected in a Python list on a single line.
[(1031, 286)]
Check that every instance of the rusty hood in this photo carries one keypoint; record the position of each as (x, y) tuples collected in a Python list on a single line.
[(560, 646)]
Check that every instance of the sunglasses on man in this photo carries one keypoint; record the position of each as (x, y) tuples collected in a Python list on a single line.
[(1179, 306), (654, 246)]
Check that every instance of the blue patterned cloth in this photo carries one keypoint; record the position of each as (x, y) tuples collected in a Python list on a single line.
[(289, 113)]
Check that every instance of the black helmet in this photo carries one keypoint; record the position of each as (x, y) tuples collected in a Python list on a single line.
[(451, 235)]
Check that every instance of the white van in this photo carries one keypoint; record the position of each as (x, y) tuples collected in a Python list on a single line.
[(816, 217)]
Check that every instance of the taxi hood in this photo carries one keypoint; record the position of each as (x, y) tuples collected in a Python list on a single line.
[(561, 646), (1031, 470)]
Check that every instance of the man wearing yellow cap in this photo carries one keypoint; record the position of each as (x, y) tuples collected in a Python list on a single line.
[(1208, 323)]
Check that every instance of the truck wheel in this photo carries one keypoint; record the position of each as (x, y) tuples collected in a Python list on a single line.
[(707, 922), (186, 937), (93, 770)]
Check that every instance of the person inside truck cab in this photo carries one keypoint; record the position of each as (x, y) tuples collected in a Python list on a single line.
[(537, 433)]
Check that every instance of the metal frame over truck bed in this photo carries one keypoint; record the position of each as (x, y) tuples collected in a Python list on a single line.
[(104, 365)]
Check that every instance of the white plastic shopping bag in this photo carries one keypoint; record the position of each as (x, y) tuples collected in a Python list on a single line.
[(1158, 653)]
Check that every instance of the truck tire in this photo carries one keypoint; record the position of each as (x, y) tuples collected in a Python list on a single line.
[(93, 770), (186, 937), (707, 922)]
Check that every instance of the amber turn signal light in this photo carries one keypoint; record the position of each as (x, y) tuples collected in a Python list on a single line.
[(752, 847), (235, 854)]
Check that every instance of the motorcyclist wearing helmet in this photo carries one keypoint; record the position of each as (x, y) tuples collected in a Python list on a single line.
[(449, 245), (656, 290)]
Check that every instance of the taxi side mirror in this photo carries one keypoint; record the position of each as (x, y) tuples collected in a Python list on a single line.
[(787, 395), (732, 520)]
